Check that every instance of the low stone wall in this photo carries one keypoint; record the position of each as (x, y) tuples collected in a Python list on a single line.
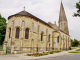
[(26, 49), (1, 52), (35, 49), (56, 49), (17, 51)]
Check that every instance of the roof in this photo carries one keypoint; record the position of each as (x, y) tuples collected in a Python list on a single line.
[(25, 13), (64, 32), (62, 15)]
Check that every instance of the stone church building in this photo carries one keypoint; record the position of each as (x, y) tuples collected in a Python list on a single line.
[(27, 33)]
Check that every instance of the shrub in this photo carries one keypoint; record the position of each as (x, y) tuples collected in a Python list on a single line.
[(43, 52), (51, 52), (1, 48), (29, 54)]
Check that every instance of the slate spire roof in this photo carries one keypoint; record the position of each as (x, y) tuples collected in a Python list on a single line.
[(62, 15)]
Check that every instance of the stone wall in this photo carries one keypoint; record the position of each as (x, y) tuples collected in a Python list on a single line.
[(2, 52), (34, 40)]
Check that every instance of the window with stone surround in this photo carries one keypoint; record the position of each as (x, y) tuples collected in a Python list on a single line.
[(17, 33), (42, 36), (58, 39), (26, 33)]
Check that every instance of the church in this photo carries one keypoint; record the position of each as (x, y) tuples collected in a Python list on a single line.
[(27, 33)]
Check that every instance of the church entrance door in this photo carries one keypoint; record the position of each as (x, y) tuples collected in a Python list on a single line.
[(49, 46)]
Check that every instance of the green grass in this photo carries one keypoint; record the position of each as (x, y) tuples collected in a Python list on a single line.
[(74, 52), (42, 54), (77, 51), (65, 49)]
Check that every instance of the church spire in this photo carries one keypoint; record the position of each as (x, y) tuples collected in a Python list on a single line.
[(62, 15), (63, 24)]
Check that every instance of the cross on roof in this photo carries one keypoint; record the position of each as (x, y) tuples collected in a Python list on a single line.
[(24, 8)]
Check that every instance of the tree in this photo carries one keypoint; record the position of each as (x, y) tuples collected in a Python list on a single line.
[(74, 43), (75, 40), (78, 9), (2, 29)]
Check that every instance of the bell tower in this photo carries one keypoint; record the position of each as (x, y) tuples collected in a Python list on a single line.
[(63, 24)]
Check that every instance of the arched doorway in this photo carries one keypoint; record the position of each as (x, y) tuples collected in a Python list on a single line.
[(49, 47)]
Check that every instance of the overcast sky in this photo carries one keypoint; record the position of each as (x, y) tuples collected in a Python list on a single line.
[(47, 10)]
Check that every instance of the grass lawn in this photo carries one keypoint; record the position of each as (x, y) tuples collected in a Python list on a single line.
[(77, 51), (42, 54)]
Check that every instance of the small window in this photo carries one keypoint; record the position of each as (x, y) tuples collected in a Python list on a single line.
[(17, 33), (41, 36), (58, 39), (26, 34), (9, 32)]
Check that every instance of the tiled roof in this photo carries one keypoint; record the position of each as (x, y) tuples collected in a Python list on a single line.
[(25, 13)]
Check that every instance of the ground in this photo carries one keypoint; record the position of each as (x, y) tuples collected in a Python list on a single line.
[(57, 56), (70, 57)]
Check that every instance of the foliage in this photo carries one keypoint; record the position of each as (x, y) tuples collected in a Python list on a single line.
[(74, 43), (29, 54), (74, 52), (51, 52), (2, 29), (79, 42), (77, 51), (65, 49), (42, 54), (78, 9)]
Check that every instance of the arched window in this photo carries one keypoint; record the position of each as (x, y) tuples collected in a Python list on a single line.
[(9, 32), (17, 33), (26, 34), (49, 38), (41, 36), (58, 39)]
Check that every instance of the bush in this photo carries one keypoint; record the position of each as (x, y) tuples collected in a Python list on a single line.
[(43, 52), (74, 43), (51, 52), (1, 48), (29, 54), (57, 51)]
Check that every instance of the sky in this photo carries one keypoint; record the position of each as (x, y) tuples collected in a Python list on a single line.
[(47, 10)]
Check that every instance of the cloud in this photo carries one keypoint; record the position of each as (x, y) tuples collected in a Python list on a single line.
[(47, 10)]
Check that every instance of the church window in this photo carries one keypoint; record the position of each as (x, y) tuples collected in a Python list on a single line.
[(26, 34), (17, 33), (9, 32), (41, 36), (58, 39)]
